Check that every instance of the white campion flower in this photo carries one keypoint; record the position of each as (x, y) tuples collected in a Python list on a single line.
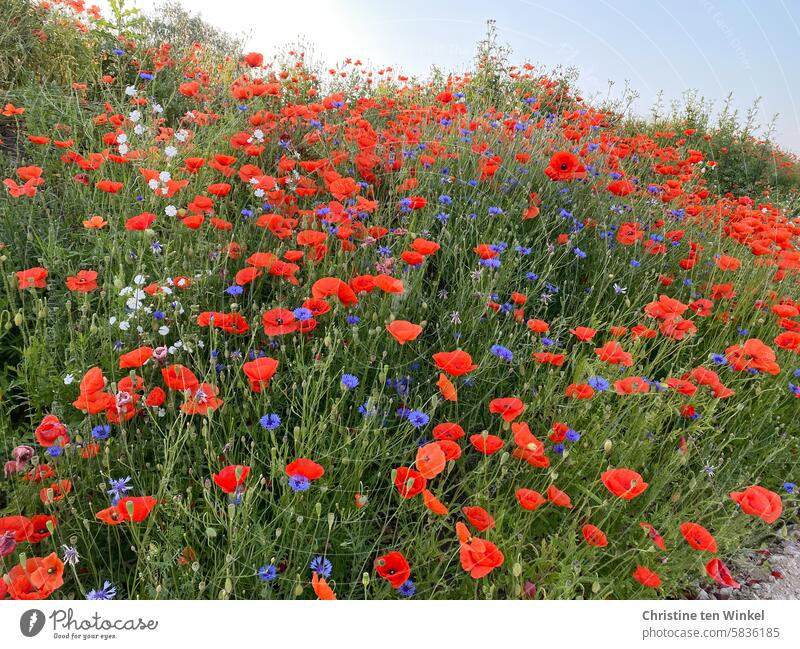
[(163, 330), (134, 116), (69, 379), (165, 176), (170, 210), (112, 320), (123, 149), (139, 280), (170, 151), (157, 108), (131, 91), (122, 138), (138, 129), (124, 325), (152, 184), (181, 135)]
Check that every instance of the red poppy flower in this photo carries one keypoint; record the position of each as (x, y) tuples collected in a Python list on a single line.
[(394, 568), (403, 331), (646, 577), (39, 527), (21, 526), (565, 166), (431, 460), (84, 282), (558, 497), (593, 535), (448, 430), (305, 468), (231, 477), (699, 537), (51, 432), (624, 483), (32, 278), (455, 363), (760, 502), (486, 444), (509, 408), (259, 372), (178, 377), (135, 358), (278, 322), (719, 572), (409, 482), (479, 518), (478, 556), (529, 499)]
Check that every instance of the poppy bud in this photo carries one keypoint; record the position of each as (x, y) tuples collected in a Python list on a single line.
[(607, 446), (18, 319), (298, 590)]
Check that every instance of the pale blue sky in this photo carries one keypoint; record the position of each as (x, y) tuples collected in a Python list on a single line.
[(750, 47)]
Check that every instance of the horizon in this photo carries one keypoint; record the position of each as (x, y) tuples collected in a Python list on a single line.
[(713, 50)]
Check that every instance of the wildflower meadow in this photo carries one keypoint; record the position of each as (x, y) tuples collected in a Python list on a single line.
[(273, 328)]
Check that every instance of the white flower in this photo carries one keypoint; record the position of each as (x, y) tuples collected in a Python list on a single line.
[(170, 210), (131, 91), (124, 325), (165, 176), (170, 151), (163, 330), (259, 193), (152, 184), (138, 129), (123, 149), (139, 280), (161, 412), (140, 329), (135, 116), (157, 108), (69, 379), (122, 138), (126, 291), (181, 135), (112, 320)]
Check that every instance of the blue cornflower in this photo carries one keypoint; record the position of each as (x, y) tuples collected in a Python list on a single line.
[(118, 488), (108, 591), (494, 262), (303, 314), (502, 352), (352, 320), (270, 421), (635, 263), (598, 383), (573, 435), (159, 315), (267, 573), (299, 483), (118, 52), (322, 566), (349, 381), (418, 419), (789, 487), (579, 253), (407, 589), (234, 290), (719, 359), (558, 448), (101, 431), (55, 450)]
